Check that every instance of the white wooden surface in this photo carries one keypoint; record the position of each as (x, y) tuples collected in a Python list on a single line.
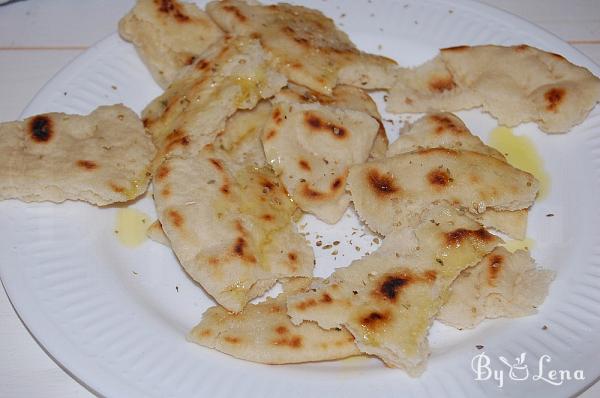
[(39, 37)]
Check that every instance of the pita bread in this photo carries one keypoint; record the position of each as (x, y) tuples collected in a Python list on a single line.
[(514, 84), (232, 74), (168, 35), (264, 333), (388, 300), (240, 138), (445, 130), (101, 158), (311, 147), (307, 46), (440, 130), (503, 284), (230, 228), (395, 191)]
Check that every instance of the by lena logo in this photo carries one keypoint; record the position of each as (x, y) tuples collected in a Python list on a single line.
[(518, 370)]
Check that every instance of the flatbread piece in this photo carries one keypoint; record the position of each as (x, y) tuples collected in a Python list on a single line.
[(101, 158), (515, 84), (305, 44), (388, 300), (168, 35)]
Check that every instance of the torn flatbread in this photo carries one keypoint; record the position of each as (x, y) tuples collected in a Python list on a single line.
[(512, 223), (394, 192), (345, 97), (446, 130), (168, 35), (311, 147), (388, 300), (307, 46), (155, 232), (231, 228), (503, 284), (440, 130), (240, 138), (232, 74), (101, 158), (514, 84), (264, 333)]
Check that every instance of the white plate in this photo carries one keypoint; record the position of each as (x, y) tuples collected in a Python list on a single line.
[(113, 316)]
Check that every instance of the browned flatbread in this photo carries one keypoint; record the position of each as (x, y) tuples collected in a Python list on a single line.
[(394, 192), (446, 130), (264, 333), (101, 158), (305, 44), (514, 84), (240, 138), (229, 225), (345, 97), (388, 300), (503, 284), (168, 35), (312, 145), (232, 74), (440, 130)]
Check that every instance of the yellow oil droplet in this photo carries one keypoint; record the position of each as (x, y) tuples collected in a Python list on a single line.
[(522, 154), (131, 228), (514, 245)]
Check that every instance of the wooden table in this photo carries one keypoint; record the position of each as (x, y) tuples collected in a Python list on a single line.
[(38, 37)]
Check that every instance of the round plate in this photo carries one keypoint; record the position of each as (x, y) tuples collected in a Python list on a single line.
[(116, 318)]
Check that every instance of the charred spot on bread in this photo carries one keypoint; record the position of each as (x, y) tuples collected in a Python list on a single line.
[(175, 217), (444, 123), (292, 341), (383, 184), (217, 164), (457, 237), (232, 339), (308, 192), (202, 64), (281, 330), (277, 116), (240, 250), (316, 123), (441, 84), (392, 284), (337, 183), (303, 305), (116, 188), (375, 319), (162, 172), (172, 7), (494, 267), (40, 128), (87, 164), (304, 165), (554, 98), (270, 135), (235, 12), (439, 178)]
